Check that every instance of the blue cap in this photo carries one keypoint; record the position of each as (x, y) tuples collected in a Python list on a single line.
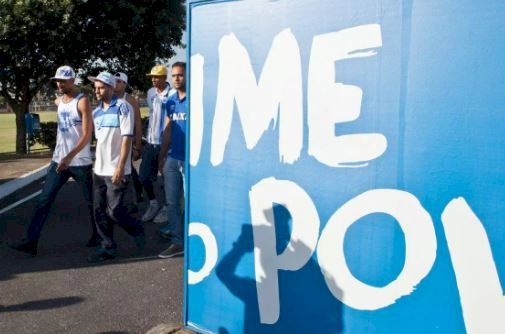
[(106, 78), (64, 73)]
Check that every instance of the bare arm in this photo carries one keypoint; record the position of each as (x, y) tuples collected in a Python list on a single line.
[(84, 109), (123, 156), (137, 140), (165, 143)]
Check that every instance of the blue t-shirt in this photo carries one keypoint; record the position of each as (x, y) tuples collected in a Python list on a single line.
[(177, 111)]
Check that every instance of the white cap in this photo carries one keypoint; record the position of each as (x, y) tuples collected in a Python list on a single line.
[(106, 78), (64, 73), (122, 76)]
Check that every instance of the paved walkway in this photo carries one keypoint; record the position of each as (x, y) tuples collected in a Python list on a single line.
[(17, 171), (13, 166)]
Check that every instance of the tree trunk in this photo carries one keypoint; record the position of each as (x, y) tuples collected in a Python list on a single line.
[(20, 110)]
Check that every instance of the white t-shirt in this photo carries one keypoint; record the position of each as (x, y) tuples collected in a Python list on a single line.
[(110, 127), (157, 113), (69, 133)]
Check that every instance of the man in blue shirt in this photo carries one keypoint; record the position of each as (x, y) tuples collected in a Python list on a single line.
[(171, 162)]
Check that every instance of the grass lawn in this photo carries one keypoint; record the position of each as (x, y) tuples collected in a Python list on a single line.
[(8, 129)]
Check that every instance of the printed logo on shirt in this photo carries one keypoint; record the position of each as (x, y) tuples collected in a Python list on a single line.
[(124, 110), (178, 116), (65, 122)]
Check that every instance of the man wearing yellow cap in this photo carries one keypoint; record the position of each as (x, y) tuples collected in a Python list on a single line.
[(157, 97)]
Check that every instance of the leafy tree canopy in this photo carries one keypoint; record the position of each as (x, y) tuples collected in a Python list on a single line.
[(38, 36)]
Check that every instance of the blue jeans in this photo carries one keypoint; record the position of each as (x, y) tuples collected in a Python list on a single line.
[(54, 181), (173, 178)]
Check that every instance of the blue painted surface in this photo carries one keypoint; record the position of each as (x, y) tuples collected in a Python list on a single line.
[(436, 91)]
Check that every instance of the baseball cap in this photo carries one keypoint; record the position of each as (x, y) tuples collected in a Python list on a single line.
[(121, 76), (158, 70), (106, 78), (64, 73)]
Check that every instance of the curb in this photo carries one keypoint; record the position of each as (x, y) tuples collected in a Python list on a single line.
[(9, 187)]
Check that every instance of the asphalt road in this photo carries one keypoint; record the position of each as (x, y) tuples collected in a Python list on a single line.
[(59, 292)]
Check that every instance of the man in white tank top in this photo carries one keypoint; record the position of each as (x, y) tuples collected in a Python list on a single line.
[(71, 158)]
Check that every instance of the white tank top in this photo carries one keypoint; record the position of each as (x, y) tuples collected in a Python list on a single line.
[(69, 133)]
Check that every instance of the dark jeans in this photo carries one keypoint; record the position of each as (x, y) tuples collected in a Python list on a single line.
[(149, 168), (110, 203), (54, 182), (136, 182)]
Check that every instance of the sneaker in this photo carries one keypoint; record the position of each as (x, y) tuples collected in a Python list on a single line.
[(25, 245), (171, 251), (102, 254), (151, 211), (162, 216)]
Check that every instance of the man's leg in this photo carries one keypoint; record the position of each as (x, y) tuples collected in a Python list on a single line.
[(139, 189), (104, 225), (52, 185), (118, 211), (148, 169), (148, 175), (83, 175), (173, 171)]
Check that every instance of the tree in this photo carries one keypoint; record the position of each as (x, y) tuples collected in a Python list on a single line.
[(36, 37)]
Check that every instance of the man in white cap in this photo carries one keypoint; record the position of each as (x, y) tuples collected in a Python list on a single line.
[(157, 98), (120, 91), (71, 158), (114, 122)]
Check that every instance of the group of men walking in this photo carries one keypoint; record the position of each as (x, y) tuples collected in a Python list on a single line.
[(118, 130)]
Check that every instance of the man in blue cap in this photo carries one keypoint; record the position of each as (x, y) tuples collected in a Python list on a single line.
[(114, 129), (71, 158)]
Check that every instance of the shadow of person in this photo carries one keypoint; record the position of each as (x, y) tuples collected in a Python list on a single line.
[(43, 304), (305, 303)]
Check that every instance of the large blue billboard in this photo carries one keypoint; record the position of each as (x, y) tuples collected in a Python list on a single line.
[(346, 166)]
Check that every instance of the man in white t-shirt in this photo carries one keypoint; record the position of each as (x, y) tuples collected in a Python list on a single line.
[(71, 158), (113, 119)]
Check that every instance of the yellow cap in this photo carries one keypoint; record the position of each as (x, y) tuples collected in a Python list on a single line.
[(158, 70)]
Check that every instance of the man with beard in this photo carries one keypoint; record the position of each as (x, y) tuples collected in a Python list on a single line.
[(71, 158), (171, 161), (114, 129)]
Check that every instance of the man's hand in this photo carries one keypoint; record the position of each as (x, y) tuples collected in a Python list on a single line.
[(64, 163), (118, 176)]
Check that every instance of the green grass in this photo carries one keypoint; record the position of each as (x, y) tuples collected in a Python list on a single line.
[(8, 129)]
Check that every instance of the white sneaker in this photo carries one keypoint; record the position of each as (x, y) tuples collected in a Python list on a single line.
[(162, 216), (151, 211)]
